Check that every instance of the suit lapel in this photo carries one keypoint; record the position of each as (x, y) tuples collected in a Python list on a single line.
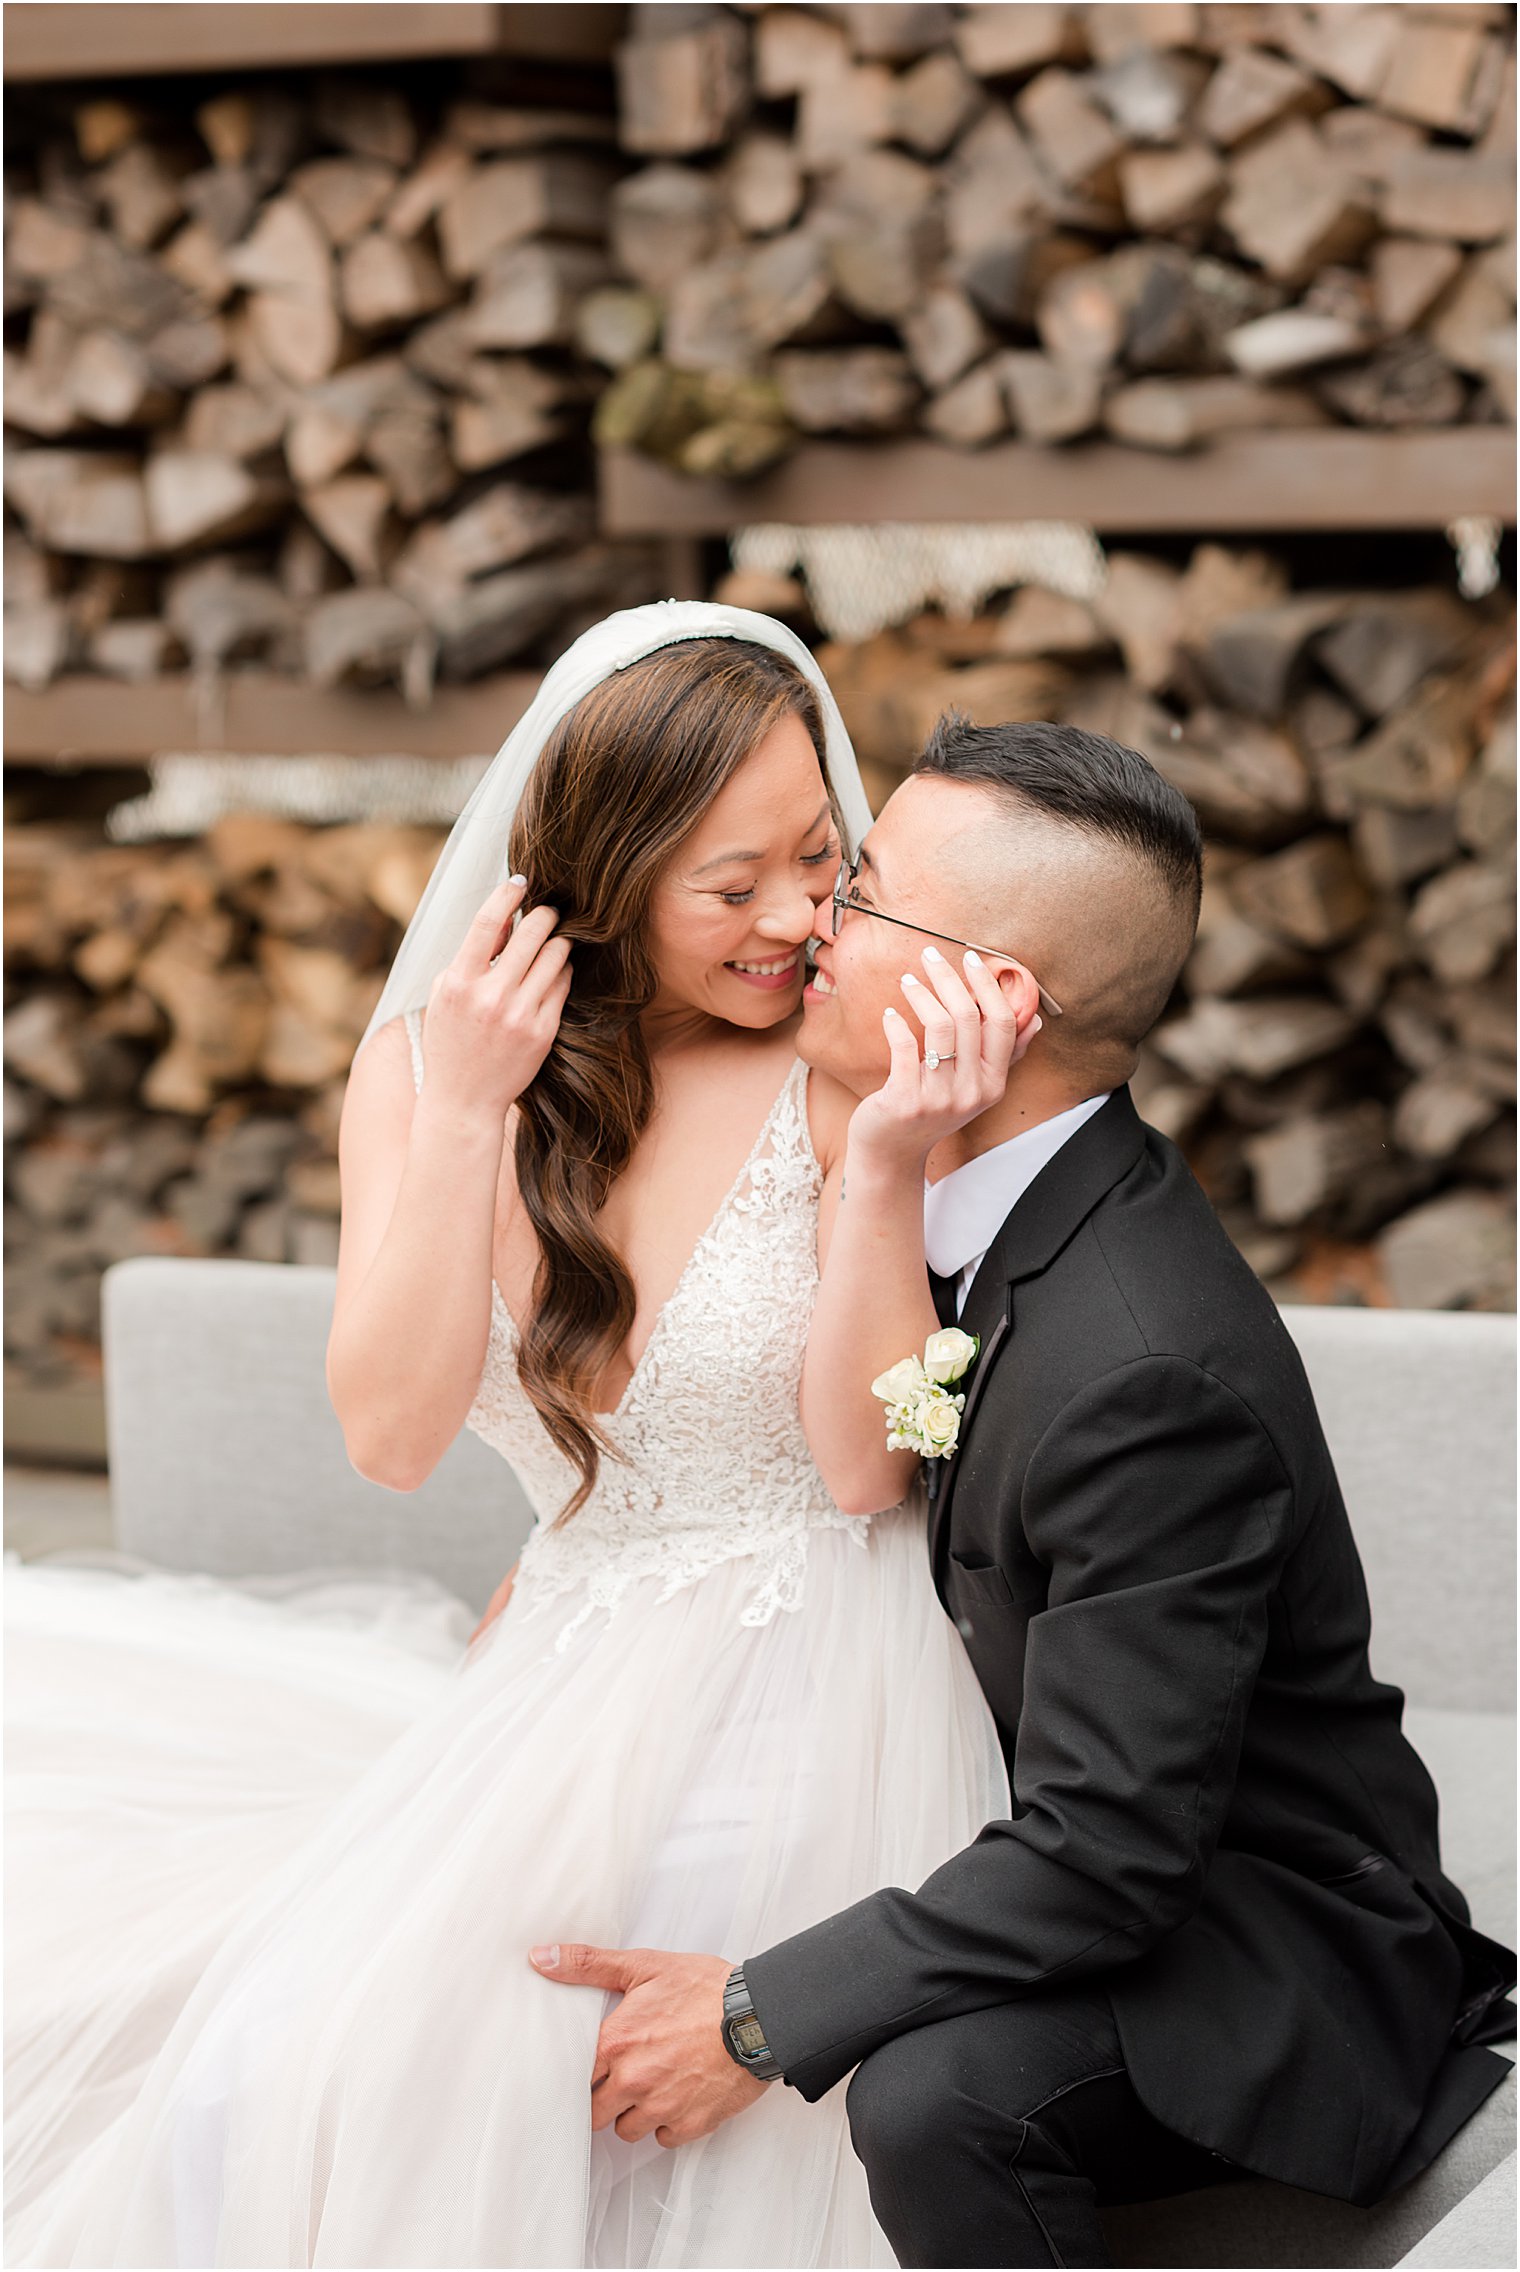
[(1054, 1207)]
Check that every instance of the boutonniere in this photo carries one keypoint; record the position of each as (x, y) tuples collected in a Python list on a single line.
[(923, 1415)]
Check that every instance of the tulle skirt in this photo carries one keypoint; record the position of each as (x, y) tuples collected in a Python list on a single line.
[(274, 1866)]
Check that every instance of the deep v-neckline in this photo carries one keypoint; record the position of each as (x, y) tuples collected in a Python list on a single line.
[(617, 1411)]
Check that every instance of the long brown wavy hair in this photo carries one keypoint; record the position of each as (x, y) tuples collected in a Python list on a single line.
[(619, 785)]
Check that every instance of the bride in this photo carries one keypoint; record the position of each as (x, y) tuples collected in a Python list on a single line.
[(277, 1864)]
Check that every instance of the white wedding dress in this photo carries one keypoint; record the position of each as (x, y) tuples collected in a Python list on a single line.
[(275, 1859)]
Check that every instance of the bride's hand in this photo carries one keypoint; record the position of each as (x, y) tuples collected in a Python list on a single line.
[(493, 1012), (976, 1029)]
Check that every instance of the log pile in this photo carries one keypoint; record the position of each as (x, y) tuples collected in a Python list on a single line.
[(297, 378), (180, 1020), (1339, 1063), (1156, 224)]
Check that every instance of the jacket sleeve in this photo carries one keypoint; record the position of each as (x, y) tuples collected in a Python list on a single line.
[(1161, 1510)]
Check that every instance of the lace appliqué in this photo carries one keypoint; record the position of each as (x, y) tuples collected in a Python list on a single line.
[(712, 1464)]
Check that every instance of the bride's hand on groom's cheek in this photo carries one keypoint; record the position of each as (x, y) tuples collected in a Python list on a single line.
[(661, 2066), (974, 1027)]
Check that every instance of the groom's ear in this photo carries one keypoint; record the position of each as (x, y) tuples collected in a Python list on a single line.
[(1018, 990)]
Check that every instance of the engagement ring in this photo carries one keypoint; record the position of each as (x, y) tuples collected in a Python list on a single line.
[(933, 1057)]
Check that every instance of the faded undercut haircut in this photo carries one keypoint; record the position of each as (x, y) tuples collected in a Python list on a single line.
[(1100, 789)]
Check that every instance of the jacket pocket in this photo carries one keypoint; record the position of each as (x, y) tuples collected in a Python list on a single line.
[(980, 1581), (1362, 1869)]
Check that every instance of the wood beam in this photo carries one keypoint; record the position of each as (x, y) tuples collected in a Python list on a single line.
[(82, 720), (1338, 480), (47, 41)]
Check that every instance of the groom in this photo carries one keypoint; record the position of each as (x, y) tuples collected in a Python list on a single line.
[(1214, 1936)]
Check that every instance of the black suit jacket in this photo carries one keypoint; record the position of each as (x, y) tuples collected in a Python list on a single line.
[(1215, 1812)]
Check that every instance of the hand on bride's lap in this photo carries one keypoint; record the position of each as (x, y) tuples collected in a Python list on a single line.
[(661, 2064), (978, 1030)]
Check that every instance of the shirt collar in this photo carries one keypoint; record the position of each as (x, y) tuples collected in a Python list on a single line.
[(966, 1208)]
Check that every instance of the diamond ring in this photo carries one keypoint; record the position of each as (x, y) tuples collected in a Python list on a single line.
[(935, 1057)]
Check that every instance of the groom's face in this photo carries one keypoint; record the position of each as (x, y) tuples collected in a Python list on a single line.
[(913, 869)]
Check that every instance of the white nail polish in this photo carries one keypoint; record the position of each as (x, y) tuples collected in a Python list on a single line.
[(973, 957), (932, 954)]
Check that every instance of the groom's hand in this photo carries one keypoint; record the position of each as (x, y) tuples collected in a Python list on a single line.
[(661, 2064)]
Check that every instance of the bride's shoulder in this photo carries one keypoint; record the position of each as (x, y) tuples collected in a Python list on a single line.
[(829, 1106)]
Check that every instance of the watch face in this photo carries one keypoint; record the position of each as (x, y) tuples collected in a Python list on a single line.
[(749, 2038)]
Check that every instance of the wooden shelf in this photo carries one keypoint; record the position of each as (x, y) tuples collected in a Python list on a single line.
[(1314, 480), (135, 39), (87, 721)]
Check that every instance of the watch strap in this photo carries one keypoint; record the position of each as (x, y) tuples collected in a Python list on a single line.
[(743, 2036)]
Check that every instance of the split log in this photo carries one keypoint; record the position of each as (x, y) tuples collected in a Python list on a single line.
[(944, 335), (141, 191), (384, 282), (513, 409), (353, 513), (1465, 196), (763, 184), (839, 118), (972, 411), (1074, 138), (508, 522), (1252, 90), (194, 498), (1312, 894), (664, 222), (999, 42), (1292, 209), (554, 194), (1402, 384), (616, 326), (1050, 401), (110, 380), (1164, 190), (371, 121), (1179, 414), (793, 49), (856, 390), (931, 104), (347, 195), (84, 502), (1443, 75), (529, 294), (233, 421), (682, 91)]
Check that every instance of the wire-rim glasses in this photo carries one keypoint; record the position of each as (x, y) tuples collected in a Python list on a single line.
[(844, 887)]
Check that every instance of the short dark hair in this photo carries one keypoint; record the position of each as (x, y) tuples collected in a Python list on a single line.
[(1084, 779)]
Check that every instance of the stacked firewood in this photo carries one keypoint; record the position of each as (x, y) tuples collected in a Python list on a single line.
[(1338, 1064), (1156, 223), (298, 377), (180, 1023)]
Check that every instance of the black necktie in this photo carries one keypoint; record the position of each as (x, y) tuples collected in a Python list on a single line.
[(943, 1290)]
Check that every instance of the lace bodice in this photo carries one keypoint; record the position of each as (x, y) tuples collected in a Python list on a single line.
[(714, 1462)]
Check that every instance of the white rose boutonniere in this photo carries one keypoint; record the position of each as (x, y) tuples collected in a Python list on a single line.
[(923, 1413)]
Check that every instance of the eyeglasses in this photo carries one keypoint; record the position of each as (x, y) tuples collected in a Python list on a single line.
[(844, 889)]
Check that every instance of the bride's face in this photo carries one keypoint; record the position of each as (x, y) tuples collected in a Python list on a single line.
[(731, 915)]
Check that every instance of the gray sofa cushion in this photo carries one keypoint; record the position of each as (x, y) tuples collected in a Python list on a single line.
[(1419, 1411), (226, 1455), (1479, 2231)]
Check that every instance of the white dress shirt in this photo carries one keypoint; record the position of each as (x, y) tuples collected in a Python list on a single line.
[(964, 1211)]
